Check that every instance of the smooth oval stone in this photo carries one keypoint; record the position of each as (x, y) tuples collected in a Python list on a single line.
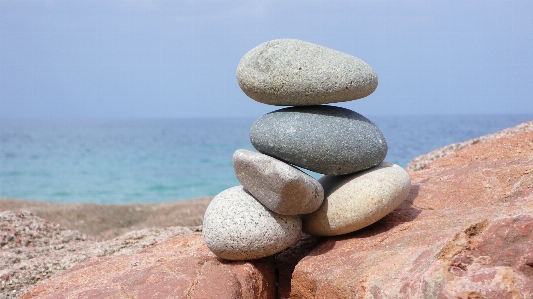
[(280, 187), (291, 72), (357, 200), (324, 139), (238, 227)]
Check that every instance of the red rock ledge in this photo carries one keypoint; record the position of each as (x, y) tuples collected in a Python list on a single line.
[(465, 231)]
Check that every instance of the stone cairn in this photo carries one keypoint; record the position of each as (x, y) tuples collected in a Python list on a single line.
[(277, 201)]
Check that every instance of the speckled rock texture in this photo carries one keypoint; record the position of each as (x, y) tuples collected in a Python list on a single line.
[(290, 72), (180, 267), (464, 231), (238, 227), (33, 249), (280, 187), (325, 139), (357, 200)]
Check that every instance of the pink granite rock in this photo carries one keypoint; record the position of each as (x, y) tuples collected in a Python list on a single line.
[(181, 267), (465, 231)]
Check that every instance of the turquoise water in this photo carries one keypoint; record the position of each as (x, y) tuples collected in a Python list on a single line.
[(126, 161)]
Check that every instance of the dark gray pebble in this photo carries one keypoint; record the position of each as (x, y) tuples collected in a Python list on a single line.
[(324, 139)]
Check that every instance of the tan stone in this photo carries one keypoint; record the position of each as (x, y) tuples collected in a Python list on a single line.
[(358, 200)]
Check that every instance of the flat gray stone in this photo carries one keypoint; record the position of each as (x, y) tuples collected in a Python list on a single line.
[(291, 72), (324, 139), (238, 227), (280, 187), (358, 200)]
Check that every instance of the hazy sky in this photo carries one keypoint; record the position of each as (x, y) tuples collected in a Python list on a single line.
[(129, 59)]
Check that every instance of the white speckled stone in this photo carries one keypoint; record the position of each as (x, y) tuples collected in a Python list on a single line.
[(325, 139), (280, 187), (238, 227), (357, 200), (291, 72)]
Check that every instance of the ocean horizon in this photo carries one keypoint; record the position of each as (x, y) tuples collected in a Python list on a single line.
[(121, 161)]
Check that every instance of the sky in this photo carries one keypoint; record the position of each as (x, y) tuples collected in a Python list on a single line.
[(175, 59)]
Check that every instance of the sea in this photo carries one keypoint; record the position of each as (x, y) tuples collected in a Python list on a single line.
[(125, 161)]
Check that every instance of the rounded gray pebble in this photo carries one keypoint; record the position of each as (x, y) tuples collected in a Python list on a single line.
[(357, 200), (238, 227), (324, 139), (280, 187), (291, 72)]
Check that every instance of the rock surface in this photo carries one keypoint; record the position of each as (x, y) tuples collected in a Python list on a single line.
[(32, 249), (238, 227), (357, 200), (290, 72), (180, 267), (280, 187), (465, 231), (325, 139), (424, 161)]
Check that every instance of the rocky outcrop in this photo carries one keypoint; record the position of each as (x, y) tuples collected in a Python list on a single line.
[(421, 162), (465, 231), (181, 267), (33, 249)]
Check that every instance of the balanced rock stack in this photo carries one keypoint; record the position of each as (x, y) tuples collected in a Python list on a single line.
[(277, 200)]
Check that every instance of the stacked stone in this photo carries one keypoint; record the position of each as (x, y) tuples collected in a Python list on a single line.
[(277, 200)]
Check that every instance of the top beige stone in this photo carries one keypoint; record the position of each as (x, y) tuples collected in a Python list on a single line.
[(291, 72)]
